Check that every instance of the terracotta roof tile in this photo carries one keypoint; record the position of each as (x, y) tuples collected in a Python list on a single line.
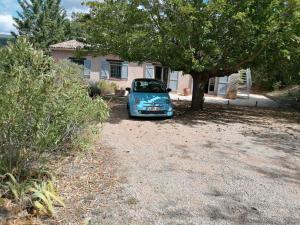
[(72, 44)]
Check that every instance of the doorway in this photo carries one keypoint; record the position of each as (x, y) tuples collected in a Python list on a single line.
[(161, 73), (158, 73)]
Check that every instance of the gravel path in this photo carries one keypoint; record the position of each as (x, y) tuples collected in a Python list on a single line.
[(226, 165)]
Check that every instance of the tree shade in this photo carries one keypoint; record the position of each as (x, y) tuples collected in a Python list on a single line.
[(202, 38)]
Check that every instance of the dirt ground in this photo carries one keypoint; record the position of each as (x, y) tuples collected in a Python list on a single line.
[(225, 165)]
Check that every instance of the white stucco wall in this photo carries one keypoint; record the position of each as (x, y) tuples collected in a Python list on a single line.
[(135, 70), (184, 81)]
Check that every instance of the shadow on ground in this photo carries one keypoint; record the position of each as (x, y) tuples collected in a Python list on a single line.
[(212, 113), (233, 209)]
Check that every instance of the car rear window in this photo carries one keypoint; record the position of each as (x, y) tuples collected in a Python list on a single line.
[(152, 86)]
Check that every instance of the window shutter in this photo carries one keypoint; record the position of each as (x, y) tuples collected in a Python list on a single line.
[(222, 86), (149, 71), (173, 81), (124, 74), (174, 75), (87, 67), (249, 79), (104, 72)]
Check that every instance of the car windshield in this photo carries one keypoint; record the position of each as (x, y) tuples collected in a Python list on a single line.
[(153, 86)]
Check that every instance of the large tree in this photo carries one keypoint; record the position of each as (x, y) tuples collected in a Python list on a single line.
[(203, 38), (44, 22)]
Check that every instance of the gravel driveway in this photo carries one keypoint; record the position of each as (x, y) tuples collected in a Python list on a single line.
[(225, 165)]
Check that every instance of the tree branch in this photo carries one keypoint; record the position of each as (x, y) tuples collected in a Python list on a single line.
[(233, 69)]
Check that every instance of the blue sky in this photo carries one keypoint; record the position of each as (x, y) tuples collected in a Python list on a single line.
[(8, 9)]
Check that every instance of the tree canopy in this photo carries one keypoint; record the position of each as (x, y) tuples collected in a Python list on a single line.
[(281, 59), (44, 22), (205, 38)]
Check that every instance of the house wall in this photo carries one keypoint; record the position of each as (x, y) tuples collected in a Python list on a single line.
[(61, 54), (135, 70), (184, 81)]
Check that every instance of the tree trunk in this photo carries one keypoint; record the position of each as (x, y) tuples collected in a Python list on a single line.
[(199, 82)]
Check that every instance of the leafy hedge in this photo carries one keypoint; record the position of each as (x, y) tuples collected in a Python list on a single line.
[(44, 107)]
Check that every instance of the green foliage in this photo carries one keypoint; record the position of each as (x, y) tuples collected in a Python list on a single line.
[(102, 87), (94, 90), (277, 85), (202, 38), (44, 107), (193, 36), (106, 87), (45, 22), (281, 58), (13, 189), (43, 195), (38, 196), (74, 27)]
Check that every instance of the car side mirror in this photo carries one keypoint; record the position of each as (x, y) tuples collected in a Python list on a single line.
[(127, 89), (169, 89)]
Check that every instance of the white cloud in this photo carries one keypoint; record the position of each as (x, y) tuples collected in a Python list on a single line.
[(74, 6), (9, 8), (6, 24), (76, 10)]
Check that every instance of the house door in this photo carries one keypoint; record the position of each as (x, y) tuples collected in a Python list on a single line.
[(211, 85), (173, 81), (165, 74), (158, 73), (149, 71), (161, 73)]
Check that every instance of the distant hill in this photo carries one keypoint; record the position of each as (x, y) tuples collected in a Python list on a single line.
[(4, 38)]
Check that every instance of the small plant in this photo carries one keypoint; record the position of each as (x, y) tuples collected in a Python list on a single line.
[(37, 196), (13, 189), (107, 87), (94, 90), (277, 85), (43, 196), (101, 87)]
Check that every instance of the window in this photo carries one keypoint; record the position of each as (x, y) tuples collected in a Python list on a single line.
[(87, 68), (115, 69), (211, 87), (86, 63), (79, 61), (149, 85), (158, 73), (173, 81)]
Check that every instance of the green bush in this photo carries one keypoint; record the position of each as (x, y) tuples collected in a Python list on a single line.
[(44, 107), (101, 87), (94, 90), (277, 85), (106, 87)]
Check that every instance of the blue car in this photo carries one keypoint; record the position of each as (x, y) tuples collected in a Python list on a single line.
[(149, 98)]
